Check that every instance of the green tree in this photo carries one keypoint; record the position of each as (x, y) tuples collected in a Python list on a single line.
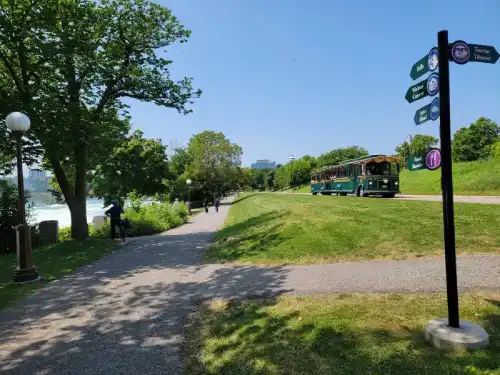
[(214, 164), (9, 215), (137, 165), (68, 64), (475, 142), (340, 154), (179, 162), (418, 143), (495, 150)]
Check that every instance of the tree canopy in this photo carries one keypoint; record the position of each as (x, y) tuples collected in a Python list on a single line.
[(136, 165), (67, 65), (418, 143), (214, 163), (340, 154), (475, 142)]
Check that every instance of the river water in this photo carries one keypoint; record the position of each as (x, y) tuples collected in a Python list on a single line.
[(60, 212)]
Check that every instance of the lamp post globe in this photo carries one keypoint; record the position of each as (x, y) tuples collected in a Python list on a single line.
[(189, 182), (18, 123)]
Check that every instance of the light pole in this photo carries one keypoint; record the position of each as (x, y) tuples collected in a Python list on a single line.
[(404, 151), (18, 123), (189, 182)]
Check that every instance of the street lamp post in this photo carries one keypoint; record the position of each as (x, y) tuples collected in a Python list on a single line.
[(18, 123), (404, 151), (189, 182)]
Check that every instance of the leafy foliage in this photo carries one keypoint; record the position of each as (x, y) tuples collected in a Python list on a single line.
[(475, 142), (155, 218), (136, 165), (214, 163), (69, 69), (293, 174), (9, 211), (418, 143), (338, 155)]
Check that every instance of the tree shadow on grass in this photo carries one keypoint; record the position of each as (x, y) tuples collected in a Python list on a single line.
[(245, 239), (239, 198), (247, 337)]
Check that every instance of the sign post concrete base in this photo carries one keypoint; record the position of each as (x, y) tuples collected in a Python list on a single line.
[(469, 336)]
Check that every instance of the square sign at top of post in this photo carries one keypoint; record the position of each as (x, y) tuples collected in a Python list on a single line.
[(428, 63)]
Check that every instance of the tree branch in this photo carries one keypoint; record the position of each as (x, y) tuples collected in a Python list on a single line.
[(62, 180), (12, 72)]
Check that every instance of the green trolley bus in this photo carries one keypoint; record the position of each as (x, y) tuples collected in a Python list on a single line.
[(368, 175)]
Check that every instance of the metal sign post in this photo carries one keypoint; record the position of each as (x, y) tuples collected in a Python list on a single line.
[(447, 180)]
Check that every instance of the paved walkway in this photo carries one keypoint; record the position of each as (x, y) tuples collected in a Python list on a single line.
[(125, 314), (484, 199)]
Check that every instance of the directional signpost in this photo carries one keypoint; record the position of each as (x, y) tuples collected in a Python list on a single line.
[(428, 87), (462, 53), (425, 160), (443, 332), (427, 112), (426, 64)]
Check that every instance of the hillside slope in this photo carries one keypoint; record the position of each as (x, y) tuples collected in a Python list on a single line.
[(472, 178)]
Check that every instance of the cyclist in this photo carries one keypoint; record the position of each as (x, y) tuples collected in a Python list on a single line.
[(114, 213)]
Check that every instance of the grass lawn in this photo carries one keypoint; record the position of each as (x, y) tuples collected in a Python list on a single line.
[(473, 178), (344, 334), (284, 229), (53, 262)]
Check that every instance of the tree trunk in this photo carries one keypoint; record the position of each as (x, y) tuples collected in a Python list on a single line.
[(76, 199), (78, 210)]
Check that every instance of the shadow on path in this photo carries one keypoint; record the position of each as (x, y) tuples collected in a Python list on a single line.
[(125, 314)]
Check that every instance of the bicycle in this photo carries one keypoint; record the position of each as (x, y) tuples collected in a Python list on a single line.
[(121, 230)]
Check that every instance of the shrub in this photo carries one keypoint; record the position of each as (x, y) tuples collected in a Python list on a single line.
[(155, 218), (9, 215), (145, 220)]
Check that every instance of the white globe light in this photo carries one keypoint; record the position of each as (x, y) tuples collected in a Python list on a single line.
[(17, 122), (189, 182)]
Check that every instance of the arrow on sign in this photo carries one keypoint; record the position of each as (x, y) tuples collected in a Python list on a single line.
[(484, 54), (428, 112), (428, 87), (428, 63)]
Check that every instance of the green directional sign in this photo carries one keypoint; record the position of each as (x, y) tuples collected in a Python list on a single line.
[(428, 63), (416, 162), (484, 54), (429, 87), (431, 159), (462, 53), (428, 112)]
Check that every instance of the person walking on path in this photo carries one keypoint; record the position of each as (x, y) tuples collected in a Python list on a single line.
[(114, 213), (217, 204), (205, 204)]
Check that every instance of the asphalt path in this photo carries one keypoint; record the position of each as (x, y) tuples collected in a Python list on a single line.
[(126, 313)]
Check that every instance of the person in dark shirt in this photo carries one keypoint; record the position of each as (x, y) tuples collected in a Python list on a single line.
[(114, 213)]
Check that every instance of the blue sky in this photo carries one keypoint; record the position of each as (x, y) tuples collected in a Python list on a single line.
[(282, 77)]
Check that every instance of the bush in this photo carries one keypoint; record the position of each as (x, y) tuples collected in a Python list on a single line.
[(145, 220), (155, 218), (9, 209)]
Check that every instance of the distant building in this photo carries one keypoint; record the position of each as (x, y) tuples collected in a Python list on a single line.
[(291, 158), (263, 164), (37, 181)]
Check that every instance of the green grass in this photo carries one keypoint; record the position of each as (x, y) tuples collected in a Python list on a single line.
[(344, 334), (301, 229), (474, 178), (53, 262)]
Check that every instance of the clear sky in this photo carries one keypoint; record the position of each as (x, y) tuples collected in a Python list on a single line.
[(282, 77)]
